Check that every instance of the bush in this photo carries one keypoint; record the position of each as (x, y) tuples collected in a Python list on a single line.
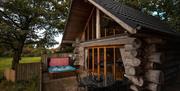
[(31, 85), (1, 77)]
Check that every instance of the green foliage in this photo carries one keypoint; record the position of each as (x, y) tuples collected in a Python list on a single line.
[(67, 49), (24, 22), (29, 51), (1, 77), (5, 51), (166, 10), (31, 85), (32, 21)]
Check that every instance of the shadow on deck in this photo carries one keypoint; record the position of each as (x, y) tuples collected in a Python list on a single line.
[(70, 84), (61, 84)]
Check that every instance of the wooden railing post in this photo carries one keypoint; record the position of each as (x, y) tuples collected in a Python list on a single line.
[(98, 59), (105, 68)]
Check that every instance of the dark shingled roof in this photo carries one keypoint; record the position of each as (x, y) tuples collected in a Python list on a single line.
[(134, 17)]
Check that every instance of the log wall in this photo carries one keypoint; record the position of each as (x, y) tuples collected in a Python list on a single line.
[(151, 63), (154, 77), (132, 60), (171, 61)]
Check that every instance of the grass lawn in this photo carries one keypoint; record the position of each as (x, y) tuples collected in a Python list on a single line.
[(5, 62), (32, 85)]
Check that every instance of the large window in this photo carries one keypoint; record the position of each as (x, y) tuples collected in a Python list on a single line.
[(104, 61)]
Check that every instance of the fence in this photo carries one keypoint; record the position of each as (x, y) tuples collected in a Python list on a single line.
[(27, 71)]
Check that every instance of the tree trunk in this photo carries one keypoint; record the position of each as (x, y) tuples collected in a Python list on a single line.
[(17, 55)]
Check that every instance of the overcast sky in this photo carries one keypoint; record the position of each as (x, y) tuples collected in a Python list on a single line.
[(58, 39)]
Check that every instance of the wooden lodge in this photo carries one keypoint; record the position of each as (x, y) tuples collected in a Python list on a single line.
[(111, 38)]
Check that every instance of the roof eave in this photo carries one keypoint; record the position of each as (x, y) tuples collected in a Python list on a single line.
[(68, 18)]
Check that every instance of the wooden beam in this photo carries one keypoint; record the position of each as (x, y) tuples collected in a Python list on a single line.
[(114, 65), (98, 59), (89, 18), (105, 30), (105, 68), (108, 41), (107, 46), (92, 22), (67, 41), (97, 23), (88, 32), (88, 59), (85, 58), (83, 36), (120, 22), (93, 60), (114, 32)]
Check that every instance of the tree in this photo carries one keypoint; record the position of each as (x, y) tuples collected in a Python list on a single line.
[(166, 10), (24, 22)]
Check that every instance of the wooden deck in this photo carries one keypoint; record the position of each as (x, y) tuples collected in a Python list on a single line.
[(61, 84), (70, 84)]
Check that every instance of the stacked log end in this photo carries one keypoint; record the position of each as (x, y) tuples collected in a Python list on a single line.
[(132, 64), (163, 63), (142, 62), (153, 76)]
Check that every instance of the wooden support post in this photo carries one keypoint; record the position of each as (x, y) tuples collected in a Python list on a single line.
[(88, 32), (88, 60), (105, 30), (98, 59), (93, 60), (97, 23), (83, 36), (114, 65), (105, 68), (92, 22), (114, 32)]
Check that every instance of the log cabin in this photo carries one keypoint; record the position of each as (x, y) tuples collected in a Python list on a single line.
[(112, 38)]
